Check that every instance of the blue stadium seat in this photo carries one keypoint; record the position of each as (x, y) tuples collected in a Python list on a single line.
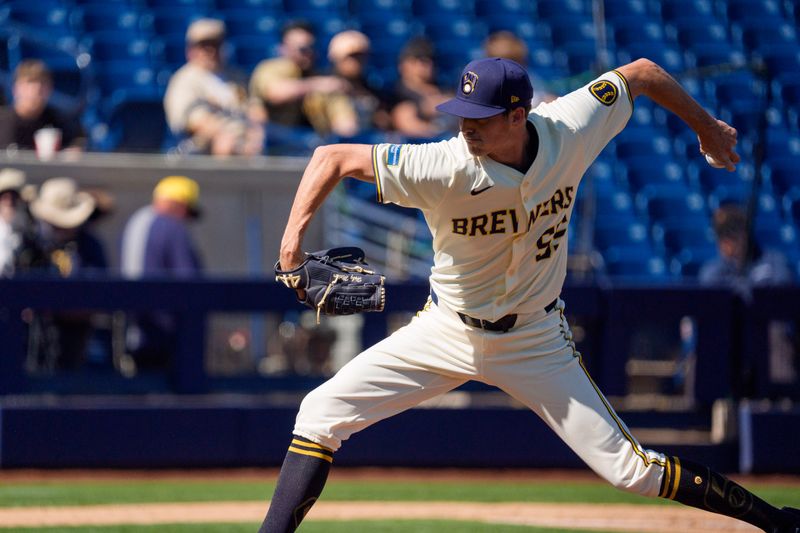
[(739, 88), (632, 146), (781, 143), (782, 173), (119, 46), (42, 16), (632, 235), (390, 34), (271, 6), (646, 170), (306, 6), (202, 5), (633, 29), (748, 119), (173, 49), (780, 58), (753, 33), (615, 10), (780, 237), (696, 34), (104, 18), (379, 10), (734, 193), (660, 202), (544, 65), (456, 28), (768, 212), (175, 19), (551, 9), (433, 9), (635, 264), (580, 56), (710, 178), (689, 236), (124, 75), (532, 33), (791, 205), (674, 9), (738, 10), (569, 29), (619, 203), (786, 88), (249, 50), (665, 54), (250, 22), (716, 55), (516, 8), (136, 121)]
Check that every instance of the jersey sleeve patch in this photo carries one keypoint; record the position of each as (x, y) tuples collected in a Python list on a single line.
[(605, 92), (393, 155)]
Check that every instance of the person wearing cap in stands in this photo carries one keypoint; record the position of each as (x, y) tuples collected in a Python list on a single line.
[(59, 339), (348, 52), (207, 102), (295, 95), (156, 242), (498, 199), (19, 249)]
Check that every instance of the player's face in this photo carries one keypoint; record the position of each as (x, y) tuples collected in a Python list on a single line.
[(485, 136)]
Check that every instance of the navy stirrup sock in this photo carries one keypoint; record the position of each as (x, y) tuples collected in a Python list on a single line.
[(698, 486), (302, 478)]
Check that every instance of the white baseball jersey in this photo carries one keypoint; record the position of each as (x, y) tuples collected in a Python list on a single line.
[(500, 236)]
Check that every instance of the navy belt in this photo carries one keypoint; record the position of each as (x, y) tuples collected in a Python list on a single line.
[(503, 324)]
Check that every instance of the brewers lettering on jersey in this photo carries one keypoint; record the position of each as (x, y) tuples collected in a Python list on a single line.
[(498, 198)]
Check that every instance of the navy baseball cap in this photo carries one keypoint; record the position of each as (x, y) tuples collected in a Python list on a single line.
[(489, 87)]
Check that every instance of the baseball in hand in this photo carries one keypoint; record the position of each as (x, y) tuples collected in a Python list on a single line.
[(713, 162)]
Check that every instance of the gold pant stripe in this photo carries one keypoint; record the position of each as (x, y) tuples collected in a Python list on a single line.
[(676, 478), (667, 480), (312, 454), (310, 445), (621, 427)]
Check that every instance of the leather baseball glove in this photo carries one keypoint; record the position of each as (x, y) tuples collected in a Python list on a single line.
[(337, 281)]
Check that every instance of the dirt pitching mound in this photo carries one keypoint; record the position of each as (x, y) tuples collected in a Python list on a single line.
[(633, 518)]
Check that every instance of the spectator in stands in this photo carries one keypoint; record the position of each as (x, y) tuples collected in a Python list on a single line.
[(505, 44), (294, 95), (59, 339), (30, 111), (208, 103), (348, 52), (14, 219), (416, 95), (733, 267), (156, 242)]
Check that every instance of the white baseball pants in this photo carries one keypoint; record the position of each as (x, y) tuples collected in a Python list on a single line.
[(535, 362)]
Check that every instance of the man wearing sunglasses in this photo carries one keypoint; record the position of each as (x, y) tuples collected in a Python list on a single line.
[(294, 95)]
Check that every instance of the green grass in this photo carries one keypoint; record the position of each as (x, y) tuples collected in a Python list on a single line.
[(139, 491), (398, 526)]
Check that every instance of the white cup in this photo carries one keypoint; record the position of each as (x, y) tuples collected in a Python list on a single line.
[(48, 142)]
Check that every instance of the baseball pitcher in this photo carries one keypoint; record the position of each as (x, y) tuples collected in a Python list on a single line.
[(498, 199)]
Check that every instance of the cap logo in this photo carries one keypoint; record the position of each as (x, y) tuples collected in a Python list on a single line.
[(514, 99), (605, 91), (468, 83)]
